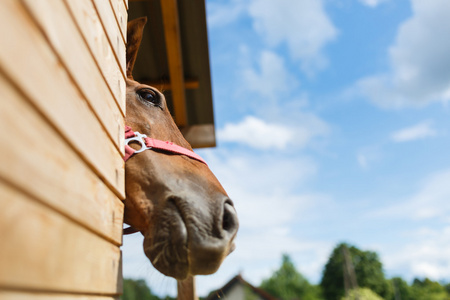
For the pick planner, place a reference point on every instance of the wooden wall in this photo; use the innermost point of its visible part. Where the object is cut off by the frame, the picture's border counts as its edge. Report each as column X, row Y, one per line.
column 62, row 104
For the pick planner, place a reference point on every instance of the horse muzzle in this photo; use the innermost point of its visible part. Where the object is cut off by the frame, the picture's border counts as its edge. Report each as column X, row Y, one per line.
column 191, row 239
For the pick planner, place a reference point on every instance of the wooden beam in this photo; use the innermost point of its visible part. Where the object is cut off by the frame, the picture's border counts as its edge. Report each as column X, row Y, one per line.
column 186, row 289
column 175, row 60
column 200, row 135
column 189, row 84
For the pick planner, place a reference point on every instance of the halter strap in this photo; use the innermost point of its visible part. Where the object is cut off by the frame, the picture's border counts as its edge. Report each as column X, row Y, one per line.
column 150, row 144
column 154, row 144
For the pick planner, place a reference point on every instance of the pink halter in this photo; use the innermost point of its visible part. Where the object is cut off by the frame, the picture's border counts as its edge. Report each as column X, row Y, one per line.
column 149, row 144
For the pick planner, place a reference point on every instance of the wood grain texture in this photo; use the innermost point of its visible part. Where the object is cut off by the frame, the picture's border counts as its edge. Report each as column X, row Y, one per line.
column 87, row 19
column 46, row 251
column 116, row 40
column 28, row 61
column 10, row 295
column 120, row 12
column 38, row 161
column 64, row 37
column 62, row 92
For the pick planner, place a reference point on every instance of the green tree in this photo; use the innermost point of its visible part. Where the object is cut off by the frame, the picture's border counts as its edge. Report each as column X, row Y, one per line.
column 362, row 294
column 137, row 290
column 400, row 290
column 368, row 270
column 447, row 288
column 428, row 290
column 287, row 283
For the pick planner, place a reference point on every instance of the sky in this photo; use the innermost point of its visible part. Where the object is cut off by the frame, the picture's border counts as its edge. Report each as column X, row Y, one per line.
column 332, row 123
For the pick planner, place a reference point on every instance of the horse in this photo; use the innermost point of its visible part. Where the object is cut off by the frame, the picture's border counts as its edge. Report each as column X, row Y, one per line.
column 187, row 219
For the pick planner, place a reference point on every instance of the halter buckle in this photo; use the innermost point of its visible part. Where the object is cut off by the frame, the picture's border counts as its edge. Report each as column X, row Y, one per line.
column 140, row 139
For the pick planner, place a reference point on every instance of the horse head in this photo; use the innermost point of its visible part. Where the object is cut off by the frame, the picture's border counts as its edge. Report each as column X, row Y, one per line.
column 174, row 200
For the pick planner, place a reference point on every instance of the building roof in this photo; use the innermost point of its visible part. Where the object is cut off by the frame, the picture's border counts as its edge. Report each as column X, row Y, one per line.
column 222, row 292
column 174, row 57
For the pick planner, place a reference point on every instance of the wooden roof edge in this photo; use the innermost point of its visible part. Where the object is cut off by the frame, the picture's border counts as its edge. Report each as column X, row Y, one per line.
column 175, row 59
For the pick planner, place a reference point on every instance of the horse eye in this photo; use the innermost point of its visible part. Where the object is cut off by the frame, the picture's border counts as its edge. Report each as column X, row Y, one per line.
column 149, row 95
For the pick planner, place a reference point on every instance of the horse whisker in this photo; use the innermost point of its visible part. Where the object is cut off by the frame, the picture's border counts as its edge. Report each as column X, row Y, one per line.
column 158, row 256
column 156, row 245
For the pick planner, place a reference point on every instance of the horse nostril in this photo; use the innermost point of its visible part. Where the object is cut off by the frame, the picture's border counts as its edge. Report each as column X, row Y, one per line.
column 229, row 218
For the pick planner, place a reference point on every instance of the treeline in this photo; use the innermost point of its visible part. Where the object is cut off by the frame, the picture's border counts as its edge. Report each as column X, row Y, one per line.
column 139, row 290
column 350, row 273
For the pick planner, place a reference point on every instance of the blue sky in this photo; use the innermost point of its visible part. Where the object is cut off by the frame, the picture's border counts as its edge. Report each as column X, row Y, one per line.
column 332, row 123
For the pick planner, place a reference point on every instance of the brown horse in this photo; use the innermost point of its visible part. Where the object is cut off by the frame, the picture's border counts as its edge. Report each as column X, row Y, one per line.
column 174, row 200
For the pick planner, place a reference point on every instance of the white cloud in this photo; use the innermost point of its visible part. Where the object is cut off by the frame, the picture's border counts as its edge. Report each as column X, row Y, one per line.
column 367, row 156
column 372, row 3
column 265, row 188
column 425, row 256
column 242, row 172
column 430, row 202
column 421, row 247
column 256, row 133
column 420, row 64
column 303, row 25
column 263, row 135
column 416, row 132
column 277, row 210
column 270, row 78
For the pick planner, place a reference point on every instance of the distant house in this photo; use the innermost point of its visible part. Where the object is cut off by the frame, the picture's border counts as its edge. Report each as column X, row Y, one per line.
column 239, row 289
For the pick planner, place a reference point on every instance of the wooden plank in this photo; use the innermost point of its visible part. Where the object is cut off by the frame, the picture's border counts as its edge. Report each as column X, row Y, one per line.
column 120, row 12
column 36, row 160
column 175, row 60
column 27, row 59
column 45, row 251
column 186, row 289
column 115, row 38
column 61, row 32
column 11, row 295
column 189, row 84
column 85, row 15
column 200, row 136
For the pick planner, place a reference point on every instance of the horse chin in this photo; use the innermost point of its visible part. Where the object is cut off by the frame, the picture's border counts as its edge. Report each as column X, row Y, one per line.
column 166, row 246
column 171, row 250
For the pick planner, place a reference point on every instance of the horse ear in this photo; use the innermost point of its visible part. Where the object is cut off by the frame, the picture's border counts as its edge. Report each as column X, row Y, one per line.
column 134, row 36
